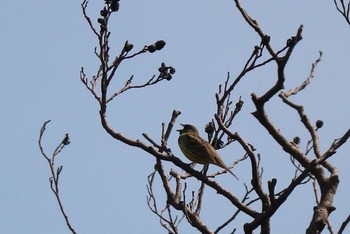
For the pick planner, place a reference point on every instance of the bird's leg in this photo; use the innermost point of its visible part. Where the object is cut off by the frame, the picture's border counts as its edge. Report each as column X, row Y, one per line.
column 205, row 169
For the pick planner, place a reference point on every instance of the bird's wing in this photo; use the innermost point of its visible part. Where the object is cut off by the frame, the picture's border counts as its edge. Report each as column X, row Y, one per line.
column 209, row 152
column 204, row 152
column 201, row 148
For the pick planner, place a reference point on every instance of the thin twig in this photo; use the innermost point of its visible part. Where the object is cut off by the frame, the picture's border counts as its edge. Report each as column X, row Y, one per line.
column 308, row 80
column 344, row 11
column 55, row 173
column 343, row 225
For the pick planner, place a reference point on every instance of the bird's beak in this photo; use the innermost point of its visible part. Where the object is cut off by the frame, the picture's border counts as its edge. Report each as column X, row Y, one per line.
column 179, row 130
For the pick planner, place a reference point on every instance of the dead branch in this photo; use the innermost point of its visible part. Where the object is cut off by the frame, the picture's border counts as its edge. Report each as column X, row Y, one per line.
column 55, row 173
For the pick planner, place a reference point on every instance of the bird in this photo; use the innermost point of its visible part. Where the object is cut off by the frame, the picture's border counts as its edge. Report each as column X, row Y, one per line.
column 197, row 149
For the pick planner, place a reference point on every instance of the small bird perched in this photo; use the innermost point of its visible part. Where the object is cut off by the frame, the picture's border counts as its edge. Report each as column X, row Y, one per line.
column 198, row 150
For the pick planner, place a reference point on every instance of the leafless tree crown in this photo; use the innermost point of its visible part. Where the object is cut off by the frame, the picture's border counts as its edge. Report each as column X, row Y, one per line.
column 182, row 202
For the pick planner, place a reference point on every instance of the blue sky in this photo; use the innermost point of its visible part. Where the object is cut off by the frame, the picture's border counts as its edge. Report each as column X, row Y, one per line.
column 103, row 184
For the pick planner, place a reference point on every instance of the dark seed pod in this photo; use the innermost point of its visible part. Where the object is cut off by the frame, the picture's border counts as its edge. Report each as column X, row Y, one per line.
column 319, row 124
column 209, row 128
column 168, row 76
column 100, row 21
column 151, row 48
column 160, row 44
column 172, row 70
column 128, row 47
column 266, row 40
column 296, row 140
column 115, row 6
column 104, row 12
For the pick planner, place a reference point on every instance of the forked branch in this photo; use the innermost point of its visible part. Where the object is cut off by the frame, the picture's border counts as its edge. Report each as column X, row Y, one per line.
column 55, row 173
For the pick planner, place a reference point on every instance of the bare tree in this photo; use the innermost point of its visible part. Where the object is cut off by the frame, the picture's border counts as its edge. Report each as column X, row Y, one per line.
column 311, row 165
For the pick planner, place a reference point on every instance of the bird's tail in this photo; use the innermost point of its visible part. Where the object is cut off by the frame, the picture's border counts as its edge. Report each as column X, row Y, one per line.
column 229, row 171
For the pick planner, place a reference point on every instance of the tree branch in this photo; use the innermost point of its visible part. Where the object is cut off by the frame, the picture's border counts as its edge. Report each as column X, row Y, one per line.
column 54, row 179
